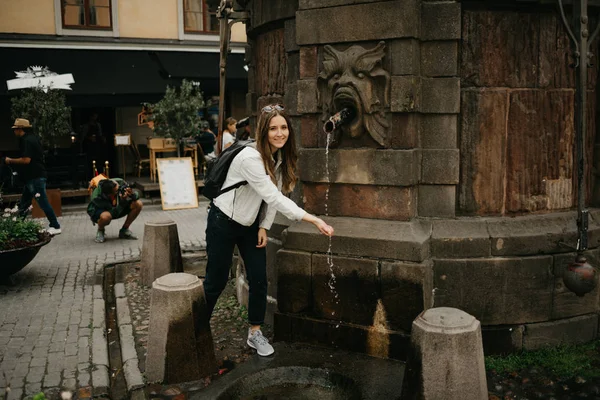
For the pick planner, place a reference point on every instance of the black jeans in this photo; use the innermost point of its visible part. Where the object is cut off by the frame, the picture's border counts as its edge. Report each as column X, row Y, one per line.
column 36, row 188
column 222, row 234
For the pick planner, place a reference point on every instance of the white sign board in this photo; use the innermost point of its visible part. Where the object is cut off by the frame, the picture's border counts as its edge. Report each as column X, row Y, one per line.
column 122, row 139
column 177, row 184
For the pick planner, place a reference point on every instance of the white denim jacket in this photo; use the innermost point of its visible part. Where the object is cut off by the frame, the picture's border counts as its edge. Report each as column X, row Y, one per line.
column 243, row 204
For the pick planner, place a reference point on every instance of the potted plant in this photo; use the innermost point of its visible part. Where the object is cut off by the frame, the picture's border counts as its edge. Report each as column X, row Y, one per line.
column 176, row 114
column 20, row 240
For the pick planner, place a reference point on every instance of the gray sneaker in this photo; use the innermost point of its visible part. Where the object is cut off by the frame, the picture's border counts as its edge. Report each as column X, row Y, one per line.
column 257, row 341
column 100, row 236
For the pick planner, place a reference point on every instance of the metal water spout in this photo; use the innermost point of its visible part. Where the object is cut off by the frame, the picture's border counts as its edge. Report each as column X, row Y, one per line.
column 580, row 276
column 338, row 119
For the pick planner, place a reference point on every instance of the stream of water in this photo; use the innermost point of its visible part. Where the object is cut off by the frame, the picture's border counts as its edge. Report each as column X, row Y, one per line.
column 332, row 279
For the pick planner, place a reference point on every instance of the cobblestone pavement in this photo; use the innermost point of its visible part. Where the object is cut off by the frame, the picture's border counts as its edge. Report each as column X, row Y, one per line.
column 47, row 315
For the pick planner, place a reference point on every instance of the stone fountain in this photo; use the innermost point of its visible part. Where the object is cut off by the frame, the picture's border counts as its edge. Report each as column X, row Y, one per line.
column 452, row 185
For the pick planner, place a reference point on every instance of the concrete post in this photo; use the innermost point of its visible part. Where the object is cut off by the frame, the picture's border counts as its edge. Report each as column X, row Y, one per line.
column 180, row 345
column 161, row 254
column 446, row 357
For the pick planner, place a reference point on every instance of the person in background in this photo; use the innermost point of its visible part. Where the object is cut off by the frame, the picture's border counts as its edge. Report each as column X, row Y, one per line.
column 32, row 171
column 206, row 139
column 244, row 131
column 229, row 132
column 93, row 142
column 108, row 203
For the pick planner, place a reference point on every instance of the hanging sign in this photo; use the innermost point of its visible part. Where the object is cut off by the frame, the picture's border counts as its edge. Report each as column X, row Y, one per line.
column 122, row 139
column 42, row 77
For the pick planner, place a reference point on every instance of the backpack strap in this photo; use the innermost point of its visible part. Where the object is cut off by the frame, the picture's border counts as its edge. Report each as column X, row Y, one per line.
column 229, row 188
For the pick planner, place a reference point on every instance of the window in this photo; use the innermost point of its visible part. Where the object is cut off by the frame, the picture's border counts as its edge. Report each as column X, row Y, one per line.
column 198, row 18
column 86, row 14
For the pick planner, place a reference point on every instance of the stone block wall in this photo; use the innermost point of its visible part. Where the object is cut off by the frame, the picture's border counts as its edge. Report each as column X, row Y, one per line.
column 417, row 164
column 517, row 113
column 464, row 138
column 419, row 156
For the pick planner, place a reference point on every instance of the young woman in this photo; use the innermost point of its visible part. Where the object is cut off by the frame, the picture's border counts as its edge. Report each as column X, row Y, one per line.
column 229, row 132
column 234, row 218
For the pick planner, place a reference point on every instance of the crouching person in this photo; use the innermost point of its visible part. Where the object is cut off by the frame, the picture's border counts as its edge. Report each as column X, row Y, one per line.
column 114, row 199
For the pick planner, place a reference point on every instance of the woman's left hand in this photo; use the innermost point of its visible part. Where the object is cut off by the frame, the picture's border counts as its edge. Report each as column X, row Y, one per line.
column 262, row 238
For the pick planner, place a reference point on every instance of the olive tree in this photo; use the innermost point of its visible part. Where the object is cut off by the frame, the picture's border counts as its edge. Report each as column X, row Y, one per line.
column 176, row 114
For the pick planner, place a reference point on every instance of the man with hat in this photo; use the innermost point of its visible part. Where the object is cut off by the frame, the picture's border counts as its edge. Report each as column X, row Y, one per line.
column 32, row 172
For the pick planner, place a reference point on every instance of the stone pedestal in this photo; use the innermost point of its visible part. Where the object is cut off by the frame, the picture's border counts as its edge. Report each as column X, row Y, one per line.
column 446, row 357
column 161, row 254
column 180, row 346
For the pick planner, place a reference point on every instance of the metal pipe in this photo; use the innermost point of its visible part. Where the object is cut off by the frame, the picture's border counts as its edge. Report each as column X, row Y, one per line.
column 579, row 276
column 338, row 119
column 581, row 20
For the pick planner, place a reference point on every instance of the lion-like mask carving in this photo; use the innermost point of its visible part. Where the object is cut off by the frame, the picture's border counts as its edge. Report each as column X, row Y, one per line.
column 355, row 79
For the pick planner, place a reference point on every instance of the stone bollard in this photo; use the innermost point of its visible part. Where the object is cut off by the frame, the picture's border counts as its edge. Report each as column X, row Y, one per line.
column 180, row 345
column 446, row 357
column 161, row 254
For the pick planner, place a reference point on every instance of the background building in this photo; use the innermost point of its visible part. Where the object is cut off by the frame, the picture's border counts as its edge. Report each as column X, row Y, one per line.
column 121, row 53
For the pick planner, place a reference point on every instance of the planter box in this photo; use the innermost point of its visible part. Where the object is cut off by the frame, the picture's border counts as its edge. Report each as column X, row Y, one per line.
column 55, row 201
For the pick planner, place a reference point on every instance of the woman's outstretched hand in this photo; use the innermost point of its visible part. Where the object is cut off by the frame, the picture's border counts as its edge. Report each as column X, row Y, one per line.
column 321, row 225
column 262, row 238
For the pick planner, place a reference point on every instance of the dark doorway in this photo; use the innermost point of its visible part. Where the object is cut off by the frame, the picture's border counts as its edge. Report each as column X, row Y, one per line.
column 95, row 128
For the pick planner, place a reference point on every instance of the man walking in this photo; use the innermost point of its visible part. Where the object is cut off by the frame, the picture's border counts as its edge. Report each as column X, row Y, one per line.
column 32, row 172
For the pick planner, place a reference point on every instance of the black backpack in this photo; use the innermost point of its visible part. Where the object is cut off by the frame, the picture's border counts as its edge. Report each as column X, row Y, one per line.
column 216, row 170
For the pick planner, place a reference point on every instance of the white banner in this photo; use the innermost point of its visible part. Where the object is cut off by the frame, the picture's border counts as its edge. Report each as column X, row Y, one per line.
column 42, row 77
column 45, row 82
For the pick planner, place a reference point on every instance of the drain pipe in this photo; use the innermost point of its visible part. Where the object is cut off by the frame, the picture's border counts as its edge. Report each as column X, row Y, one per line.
column 580, row 276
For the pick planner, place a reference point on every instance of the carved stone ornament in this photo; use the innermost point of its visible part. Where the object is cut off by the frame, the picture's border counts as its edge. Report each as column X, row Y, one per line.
column 355, row 79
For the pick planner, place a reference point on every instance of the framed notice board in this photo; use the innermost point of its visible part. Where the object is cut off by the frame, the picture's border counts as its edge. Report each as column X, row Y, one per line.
column 177, row 184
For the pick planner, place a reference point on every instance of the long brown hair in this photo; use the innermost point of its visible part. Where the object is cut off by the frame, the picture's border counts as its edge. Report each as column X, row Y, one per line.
column 288, row 152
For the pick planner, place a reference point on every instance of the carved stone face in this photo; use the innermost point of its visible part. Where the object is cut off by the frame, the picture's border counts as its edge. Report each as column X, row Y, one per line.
column 355, row 79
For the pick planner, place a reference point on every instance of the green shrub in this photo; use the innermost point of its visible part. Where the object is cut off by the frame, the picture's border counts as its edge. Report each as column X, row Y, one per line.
column 46, row 111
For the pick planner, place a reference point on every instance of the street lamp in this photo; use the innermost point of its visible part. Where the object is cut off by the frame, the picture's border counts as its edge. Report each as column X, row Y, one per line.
column 580, row 276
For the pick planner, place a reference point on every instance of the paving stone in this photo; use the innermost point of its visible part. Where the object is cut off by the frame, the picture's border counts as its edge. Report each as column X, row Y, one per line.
column 33, row 388
column 99, row 348
column 38, row 362
column 69, row 374
column 133, row 376
column 83, row 378
column 69, row 384
column 71, row 349
column 100, row 377
column 51, row 380
column 35, row 374
column 15, row 394
column 54, row 307
column 60, row 346
column 84, row 354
